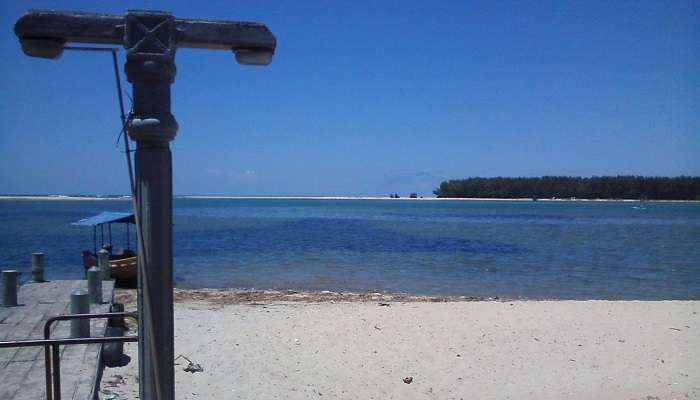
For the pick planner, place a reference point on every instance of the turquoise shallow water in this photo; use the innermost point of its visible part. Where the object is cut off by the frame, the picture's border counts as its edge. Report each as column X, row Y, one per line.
column 562, row 250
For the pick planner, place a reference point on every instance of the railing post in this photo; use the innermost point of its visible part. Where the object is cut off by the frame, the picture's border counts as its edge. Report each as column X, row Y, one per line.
column 9, row 288
column 56, row 361
column 47, row 367
column 37, row 267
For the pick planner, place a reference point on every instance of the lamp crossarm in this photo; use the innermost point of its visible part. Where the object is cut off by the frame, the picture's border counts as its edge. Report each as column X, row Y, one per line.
column 80, row 27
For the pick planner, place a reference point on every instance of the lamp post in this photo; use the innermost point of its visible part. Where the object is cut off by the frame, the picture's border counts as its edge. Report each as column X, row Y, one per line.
column 151, row 39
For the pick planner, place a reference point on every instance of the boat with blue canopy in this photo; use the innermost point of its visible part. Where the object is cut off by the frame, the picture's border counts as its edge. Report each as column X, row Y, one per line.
column 123, row 262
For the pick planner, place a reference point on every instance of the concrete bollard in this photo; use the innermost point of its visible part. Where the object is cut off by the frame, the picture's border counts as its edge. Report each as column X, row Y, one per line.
column 9, row 288
column 37, row 267
column 103, row 263
column 94, row 281
column 79, row 304
column 113, row 353
column 117, row 322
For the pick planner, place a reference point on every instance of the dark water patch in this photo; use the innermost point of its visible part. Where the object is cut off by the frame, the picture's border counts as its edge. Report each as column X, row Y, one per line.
column 314, row 234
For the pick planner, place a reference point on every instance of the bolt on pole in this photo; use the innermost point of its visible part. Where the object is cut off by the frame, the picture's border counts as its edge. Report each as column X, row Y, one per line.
column 151, row 39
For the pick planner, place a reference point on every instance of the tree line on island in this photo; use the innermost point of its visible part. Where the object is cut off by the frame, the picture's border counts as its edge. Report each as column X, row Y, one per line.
column 596, row 187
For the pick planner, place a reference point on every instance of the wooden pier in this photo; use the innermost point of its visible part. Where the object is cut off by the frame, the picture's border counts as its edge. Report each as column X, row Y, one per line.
column 22, row 373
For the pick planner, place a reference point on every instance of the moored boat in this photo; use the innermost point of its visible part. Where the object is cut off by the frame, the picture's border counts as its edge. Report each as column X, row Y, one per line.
column 122, row 263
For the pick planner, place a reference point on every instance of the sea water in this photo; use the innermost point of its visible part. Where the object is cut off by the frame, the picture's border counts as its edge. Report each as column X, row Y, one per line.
column 509, row 249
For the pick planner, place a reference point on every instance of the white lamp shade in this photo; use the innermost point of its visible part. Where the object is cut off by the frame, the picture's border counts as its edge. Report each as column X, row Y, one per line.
column 253, row 56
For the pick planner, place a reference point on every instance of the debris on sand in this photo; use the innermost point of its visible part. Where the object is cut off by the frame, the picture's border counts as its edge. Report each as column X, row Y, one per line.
column 191, row 367
column 116, row 380
column 243, row 296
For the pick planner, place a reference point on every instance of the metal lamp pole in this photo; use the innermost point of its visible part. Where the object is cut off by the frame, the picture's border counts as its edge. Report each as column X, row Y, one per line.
column 150, row 39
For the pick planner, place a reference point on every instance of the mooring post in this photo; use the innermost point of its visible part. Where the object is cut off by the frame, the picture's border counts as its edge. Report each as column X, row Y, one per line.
column 103, row 263
column 79, row 304
column 9, row 287
column 116, row 321
column 94, row 283
column 37, row 267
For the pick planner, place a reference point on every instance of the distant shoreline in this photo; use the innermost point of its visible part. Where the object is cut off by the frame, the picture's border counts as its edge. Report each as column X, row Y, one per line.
column 53, row 197
column 426, row 199
column 204, row 197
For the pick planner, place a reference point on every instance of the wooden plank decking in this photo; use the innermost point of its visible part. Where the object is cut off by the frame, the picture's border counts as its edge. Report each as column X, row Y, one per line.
column 22, row 375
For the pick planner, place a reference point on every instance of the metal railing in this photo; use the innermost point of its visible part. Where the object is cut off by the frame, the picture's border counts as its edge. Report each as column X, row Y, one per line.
column 52, row 360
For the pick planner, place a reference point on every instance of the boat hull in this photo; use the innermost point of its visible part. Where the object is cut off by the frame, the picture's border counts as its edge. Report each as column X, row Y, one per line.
column 123, row 269
column 120, row 269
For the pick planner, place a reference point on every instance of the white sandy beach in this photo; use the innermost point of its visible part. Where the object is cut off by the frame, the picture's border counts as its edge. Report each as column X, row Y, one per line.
column 452, row 350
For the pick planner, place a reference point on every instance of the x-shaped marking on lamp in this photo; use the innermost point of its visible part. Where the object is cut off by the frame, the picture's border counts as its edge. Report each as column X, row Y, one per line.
column 150, row 35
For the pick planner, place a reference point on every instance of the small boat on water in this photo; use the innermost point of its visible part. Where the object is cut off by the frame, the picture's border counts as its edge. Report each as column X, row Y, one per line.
column 641, row 206
column 122, row 263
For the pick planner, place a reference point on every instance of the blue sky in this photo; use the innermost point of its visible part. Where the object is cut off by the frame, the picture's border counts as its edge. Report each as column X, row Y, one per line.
column 371, row 98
